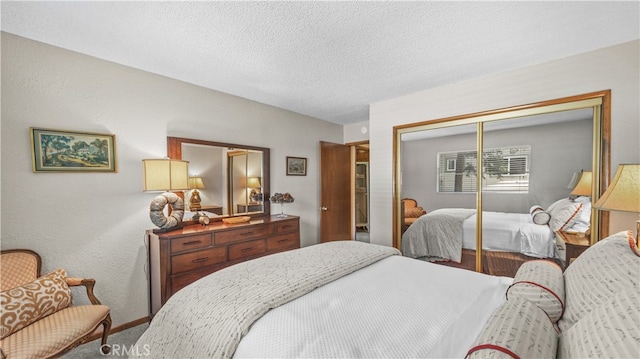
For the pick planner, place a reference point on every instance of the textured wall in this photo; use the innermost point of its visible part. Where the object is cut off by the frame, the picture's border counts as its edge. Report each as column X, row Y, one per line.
column 93, row 224
column 616, row 68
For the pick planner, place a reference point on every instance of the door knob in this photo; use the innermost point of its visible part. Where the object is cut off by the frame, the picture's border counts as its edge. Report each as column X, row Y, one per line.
column 323, row 208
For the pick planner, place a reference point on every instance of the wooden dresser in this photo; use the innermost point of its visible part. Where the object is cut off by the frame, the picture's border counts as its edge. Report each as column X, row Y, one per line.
column 181, row 257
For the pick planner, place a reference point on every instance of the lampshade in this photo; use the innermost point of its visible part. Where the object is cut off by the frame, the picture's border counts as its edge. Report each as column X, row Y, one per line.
column 253, row 182
column 624, row 192
column 165, row 175
column 583, row 188
column 574, row 180
column 196, row 183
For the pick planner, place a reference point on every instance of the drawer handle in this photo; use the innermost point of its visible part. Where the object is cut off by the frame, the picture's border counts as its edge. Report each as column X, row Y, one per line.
column 287, row 226
column 283, row 240
column 200, row 260
column 191, row 243
column 246, row 249
column 246, row 233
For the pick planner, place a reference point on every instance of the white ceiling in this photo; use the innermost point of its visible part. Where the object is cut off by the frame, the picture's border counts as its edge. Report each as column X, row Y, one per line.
column 329, row 60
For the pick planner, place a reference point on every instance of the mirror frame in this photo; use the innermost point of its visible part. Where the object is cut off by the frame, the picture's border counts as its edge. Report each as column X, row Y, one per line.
column 601, row 146
column 174, row 151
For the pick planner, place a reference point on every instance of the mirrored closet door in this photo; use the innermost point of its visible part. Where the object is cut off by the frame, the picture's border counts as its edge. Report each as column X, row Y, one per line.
column 529, row 155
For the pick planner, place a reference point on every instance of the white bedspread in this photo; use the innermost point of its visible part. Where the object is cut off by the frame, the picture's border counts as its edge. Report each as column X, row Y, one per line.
column 510, row 232
column 208, row 318
column 395, row 308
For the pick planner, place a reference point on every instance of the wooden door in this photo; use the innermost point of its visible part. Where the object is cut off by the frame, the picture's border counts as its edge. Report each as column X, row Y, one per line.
column 336, row 191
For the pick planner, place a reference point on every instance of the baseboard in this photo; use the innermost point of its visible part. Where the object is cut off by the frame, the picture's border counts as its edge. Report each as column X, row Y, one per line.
column 98, row 333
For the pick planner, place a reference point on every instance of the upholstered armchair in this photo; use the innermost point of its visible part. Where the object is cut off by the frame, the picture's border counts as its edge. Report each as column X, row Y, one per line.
column 410, row 212
column 38, row 319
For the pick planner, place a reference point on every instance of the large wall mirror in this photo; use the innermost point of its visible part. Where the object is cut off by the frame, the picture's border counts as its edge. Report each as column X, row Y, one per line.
column 230, row 179
column 530, row 154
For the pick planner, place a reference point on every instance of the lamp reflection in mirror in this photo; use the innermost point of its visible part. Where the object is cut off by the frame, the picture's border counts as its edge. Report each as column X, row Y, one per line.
column 195, row 183
column 254, row 184
column 165, row 175
column 583, row 187
column 624, row 192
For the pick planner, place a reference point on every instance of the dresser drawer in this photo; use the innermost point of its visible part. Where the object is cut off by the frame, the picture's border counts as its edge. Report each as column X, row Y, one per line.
column 184, row 279
column 190, row 261
column 190, row 242
column 288, row 226
column 247, row 249
column 290, row 240
column 242, row 234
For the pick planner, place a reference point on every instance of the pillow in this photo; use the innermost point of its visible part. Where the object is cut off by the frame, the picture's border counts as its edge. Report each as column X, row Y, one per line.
column 518, row 329
column 557, row 203
column 610, row 330
column 563, row 214
column 540, row 282
column 583, row 219
column 414, row 212
column 599, row 273
column 28, row 303
column 538, row 215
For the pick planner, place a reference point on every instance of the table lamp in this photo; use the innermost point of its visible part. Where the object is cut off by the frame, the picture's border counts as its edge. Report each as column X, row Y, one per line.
column 583, row 187
column 166, row 175
column 624, row 192
column 195, row 183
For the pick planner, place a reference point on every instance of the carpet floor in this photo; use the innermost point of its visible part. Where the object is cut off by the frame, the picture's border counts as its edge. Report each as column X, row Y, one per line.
column 122, row 345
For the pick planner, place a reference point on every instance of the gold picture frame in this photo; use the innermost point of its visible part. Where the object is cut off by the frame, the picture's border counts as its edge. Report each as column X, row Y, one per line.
column 71, row 151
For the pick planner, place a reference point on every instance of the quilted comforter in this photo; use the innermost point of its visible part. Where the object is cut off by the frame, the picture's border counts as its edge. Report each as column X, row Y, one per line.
column 221, row 307
column 437, row 235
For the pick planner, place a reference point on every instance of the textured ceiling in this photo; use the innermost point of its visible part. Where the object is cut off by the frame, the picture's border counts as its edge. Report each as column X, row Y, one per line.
column 329, row 60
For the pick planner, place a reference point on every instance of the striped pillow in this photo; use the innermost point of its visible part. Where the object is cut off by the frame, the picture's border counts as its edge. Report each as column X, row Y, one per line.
column 541, row 282
column 601, row 272
column 563, row 214
column 28, row 303
column 608, row 331
column 518, row 329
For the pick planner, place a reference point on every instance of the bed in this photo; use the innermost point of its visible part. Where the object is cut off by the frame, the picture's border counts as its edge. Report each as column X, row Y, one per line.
column 325, row 284
column 443, row 233
column 359, row 300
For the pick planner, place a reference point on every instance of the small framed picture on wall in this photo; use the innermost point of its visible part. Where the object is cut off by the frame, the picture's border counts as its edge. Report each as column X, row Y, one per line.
column 296, row 166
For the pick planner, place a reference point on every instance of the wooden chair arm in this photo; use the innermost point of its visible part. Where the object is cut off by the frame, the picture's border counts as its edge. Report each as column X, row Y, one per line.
column 88, row 283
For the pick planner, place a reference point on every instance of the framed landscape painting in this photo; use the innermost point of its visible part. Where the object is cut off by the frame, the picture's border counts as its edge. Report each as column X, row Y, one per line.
column 296, row 166
column 68, row 151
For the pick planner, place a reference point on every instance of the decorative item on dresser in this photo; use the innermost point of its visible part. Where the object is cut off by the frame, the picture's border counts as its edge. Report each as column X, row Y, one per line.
column 282, row 199
column 178, row 258
column 166, row 175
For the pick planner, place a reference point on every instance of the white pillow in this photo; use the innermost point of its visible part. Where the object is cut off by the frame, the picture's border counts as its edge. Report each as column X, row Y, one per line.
column 609, row 330
column 518, row 329
column 557, row 203
column 540, row 282
column 583, row 219
column 538, row 215
column 563, row 214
